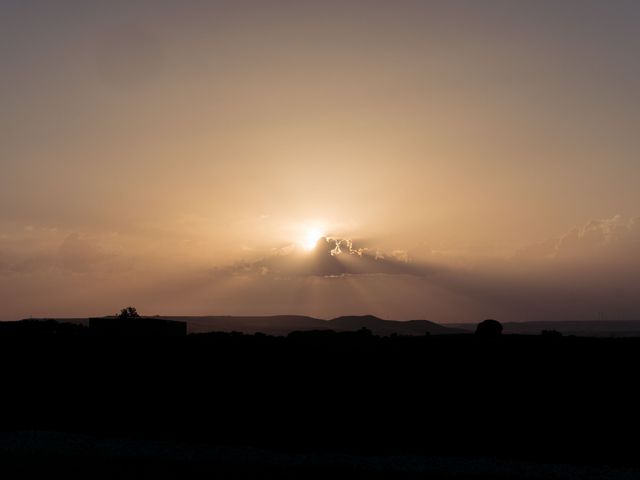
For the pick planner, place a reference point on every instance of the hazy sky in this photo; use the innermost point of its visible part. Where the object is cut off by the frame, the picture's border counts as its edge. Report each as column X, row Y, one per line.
column 472, row 158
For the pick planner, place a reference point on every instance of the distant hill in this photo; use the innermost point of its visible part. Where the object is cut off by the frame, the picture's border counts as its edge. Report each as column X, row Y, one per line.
column 285, row 324
column 271, row 325
column 387, row 327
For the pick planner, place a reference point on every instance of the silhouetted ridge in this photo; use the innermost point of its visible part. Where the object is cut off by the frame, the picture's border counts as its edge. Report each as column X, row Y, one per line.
column 388, row 327
column 357, row 318
column 285, row 324
column 282, row 325
column 271, row 325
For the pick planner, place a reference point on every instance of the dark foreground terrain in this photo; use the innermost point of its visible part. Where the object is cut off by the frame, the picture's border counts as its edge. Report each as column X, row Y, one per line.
column 279, row 325
column 319, row 404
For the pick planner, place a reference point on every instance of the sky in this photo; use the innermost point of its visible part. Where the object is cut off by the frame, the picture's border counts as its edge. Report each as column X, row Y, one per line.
column 454, row 160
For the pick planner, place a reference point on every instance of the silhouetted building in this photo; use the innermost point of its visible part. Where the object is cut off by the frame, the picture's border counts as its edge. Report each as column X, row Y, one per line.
column 137, row 327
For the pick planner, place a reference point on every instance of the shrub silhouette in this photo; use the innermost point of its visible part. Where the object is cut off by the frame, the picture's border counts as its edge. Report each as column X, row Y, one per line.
column 129, row 312
column 489, row 328
column 550, row 333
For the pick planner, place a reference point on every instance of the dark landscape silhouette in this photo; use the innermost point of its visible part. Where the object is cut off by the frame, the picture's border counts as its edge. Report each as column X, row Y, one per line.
column 353, row 400
column 284, row 324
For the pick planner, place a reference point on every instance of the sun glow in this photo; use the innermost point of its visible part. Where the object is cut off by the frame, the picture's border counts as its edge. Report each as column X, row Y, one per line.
column 310, row 238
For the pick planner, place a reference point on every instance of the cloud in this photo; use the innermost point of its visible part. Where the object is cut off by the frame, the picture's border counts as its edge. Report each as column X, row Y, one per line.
column 333, row 257
column 81, row 255
column 32, row 251
column 592, row 268
column 612, row 239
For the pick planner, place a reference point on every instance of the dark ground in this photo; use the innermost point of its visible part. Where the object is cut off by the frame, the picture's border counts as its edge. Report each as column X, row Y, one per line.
column 318, row 403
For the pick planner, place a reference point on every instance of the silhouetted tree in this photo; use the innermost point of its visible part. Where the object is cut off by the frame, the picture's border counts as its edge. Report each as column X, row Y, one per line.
column 489, row 328
column 129, row 312
column 550, row 333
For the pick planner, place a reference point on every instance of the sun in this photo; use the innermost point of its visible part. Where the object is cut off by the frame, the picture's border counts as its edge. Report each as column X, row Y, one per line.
column 310, row 238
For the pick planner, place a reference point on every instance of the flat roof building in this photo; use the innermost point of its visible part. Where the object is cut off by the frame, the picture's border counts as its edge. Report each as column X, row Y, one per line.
column 137, row 327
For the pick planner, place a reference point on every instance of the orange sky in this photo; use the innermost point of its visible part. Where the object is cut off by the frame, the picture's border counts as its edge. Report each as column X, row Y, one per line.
column 162, row 153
